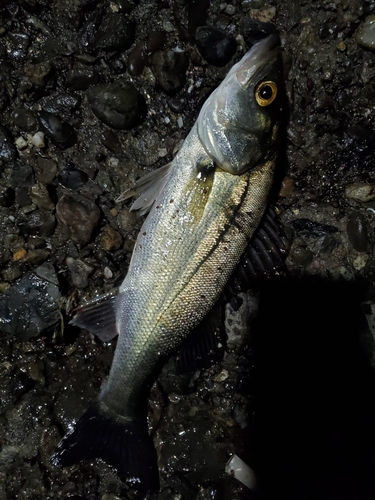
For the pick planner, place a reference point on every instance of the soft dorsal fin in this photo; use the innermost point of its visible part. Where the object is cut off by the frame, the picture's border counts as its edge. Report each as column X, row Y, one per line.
column 147, row 188
column 98, row 316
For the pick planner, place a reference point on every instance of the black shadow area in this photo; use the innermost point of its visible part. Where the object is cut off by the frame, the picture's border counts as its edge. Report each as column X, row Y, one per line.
column 315, row 393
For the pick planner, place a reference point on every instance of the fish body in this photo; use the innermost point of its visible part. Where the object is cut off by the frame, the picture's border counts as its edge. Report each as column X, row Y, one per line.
column 212, row 199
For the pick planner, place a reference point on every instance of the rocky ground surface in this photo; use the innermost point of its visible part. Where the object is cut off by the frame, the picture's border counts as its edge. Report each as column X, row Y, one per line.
column 96, row 93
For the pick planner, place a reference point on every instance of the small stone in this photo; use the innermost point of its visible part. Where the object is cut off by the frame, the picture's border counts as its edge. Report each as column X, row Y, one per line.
column 82, row 77
column 49, row 439
column 220, row 377
column 38, row 222
column 25, row 119
column 37, row 256
column 111, row 141
column 253, row 30
column 40, row 197
column 128, row 221
column 39, row 73
column 216, row 46
column 78, row 217
column 341, row 46
column 365, row 36
column 46, row 169
column 360, row 261
column 119, row 106
column 357, row 231
column 79, row 272
column 116, row 32
column 110, row 239
column 265, row 15
column 72, row 178
column 145, row 148
column 287, row 187
column 360, row 192
column 21, row 143
column 61, row 133
column 108, row 274
column 170, row 69
column 37, row 140
column 19, row 254
column 301, row 256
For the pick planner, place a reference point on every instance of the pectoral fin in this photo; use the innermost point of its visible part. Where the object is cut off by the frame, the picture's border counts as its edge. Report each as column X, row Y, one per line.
column 147, row 188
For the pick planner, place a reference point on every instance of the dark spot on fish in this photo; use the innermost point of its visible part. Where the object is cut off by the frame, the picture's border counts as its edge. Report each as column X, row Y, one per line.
column 144, row 234
column 140, row 246
column 205, row 191
column 157, row 206
column 203, row 296
column 171, row 201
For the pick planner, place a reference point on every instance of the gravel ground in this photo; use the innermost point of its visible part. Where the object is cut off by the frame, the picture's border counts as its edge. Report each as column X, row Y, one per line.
column 92, row 96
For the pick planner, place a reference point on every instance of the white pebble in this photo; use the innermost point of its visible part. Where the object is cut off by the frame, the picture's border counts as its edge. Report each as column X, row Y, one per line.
column 21, row 143
column 237, row 468
column 180, row 122
column 37, row 140
column 108, row 274
column 113, row 162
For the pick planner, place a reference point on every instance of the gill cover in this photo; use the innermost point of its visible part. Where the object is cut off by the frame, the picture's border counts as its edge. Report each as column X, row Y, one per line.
column 238, row 123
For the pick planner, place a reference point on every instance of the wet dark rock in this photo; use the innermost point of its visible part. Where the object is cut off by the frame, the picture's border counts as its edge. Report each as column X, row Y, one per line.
column 170, row 69
column 81, row 78
column 119, row 106
column 31, row 306
column 21, row 384
column 61, row 133
column 22, row 175
column 40, row 197
column 39, row 73
column 324, row 246
column 313, row 229
column 79, row 272
column 111, row 141
column 19, row 43
column 253, row 30
column 36, row 256
column 78, row 218
column 137, row 59
column 176, row 104
column 146, row 148
column 116, row 32
column 365, row 36
column 25, row 119
column 7, row 196
column 110, row 239
column 23, row 198
column 72, row 178
column 39, row 222
column 46, row 170
column 357, row 231
column 216, row 46
column 301, row 256
column 8, row 152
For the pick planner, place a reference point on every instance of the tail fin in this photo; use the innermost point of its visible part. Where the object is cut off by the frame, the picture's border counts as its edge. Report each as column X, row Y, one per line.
column 125, row 445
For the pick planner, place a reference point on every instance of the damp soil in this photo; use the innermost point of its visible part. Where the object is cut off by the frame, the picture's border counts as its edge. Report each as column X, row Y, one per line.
column 93, row 95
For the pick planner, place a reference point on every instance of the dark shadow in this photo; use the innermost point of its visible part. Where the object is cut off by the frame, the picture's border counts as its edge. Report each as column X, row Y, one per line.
column 314, row 392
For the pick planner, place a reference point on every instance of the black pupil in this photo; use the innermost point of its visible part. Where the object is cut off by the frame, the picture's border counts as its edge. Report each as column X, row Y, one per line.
column 266, row 92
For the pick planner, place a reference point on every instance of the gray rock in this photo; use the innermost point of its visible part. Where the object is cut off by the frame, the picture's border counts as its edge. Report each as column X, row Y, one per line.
column 365, row 36
column 46, row 169
column 61, row 133
column 116, row 32
column 170, row 69
column 357, row 231
column 8, row 152
column 31, row 306
column 79, row 272
column 119, row 106
column 78, row 218
column 25, row 119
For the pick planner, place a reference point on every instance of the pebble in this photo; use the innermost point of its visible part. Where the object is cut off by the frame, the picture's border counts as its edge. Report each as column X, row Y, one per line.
column 21, row 384
column 21, row 143
column 37, row 140
column 110, row 239
column 61, row 133
column 357, row 231
column 365, row 36
column 216, row 46
column 40, row 197
column 119, row 106
column 116, row 32
column 39, row 73
column 78, row 217
column 46, row 169
column 19, row 43
column 22, row 175
column 38, row 222
column 72, row 178
column 145, row 148
column 111, row 141
column 37, row 256
column 301, row 256
column 25, row 119
column 8, row 152
column 360, row 192
column 287, row 187
column 170, row 69
column 79, row 272
column 253, row 30
column 37, row 296
column 128, row 221
column 48, row 441
column 82, row 77
column 64, row 103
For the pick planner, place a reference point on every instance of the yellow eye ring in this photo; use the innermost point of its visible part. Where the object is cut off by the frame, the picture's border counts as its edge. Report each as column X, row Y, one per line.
column 265, row 93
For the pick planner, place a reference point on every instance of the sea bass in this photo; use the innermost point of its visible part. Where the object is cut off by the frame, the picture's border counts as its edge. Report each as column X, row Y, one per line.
column 205, row 207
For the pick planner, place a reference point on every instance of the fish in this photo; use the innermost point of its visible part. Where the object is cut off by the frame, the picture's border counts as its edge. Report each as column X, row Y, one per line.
column 203, row 210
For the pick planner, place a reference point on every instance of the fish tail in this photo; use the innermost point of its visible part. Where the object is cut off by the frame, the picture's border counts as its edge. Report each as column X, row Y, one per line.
column 126, row 445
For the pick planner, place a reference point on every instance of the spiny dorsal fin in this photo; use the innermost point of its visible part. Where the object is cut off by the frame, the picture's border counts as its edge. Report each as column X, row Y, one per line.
column 98, row 316
column 147, row 188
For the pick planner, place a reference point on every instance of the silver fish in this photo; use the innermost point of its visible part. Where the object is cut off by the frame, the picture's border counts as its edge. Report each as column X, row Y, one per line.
column 205, row 207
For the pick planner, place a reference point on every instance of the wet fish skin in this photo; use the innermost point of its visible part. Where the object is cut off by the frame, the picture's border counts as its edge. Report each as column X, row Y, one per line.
column 214, row 196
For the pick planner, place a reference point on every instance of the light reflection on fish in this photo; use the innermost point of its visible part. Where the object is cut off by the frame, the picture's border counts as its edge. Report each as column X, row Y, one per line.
column 205, row 207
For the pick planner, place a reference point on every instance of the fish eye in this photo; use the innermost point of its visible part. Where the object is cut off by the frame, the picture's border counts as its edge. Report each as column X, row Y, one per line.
column 265, row 93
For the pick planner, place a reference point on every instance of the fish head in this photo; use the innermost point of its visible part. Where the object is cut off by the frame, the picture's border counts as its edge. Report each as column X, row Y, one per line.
column 238, row 124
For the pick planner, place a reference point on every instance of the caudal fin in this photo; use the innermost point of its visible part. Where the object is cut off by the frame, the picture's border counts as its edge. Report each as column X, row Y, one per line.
column 124, row 445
